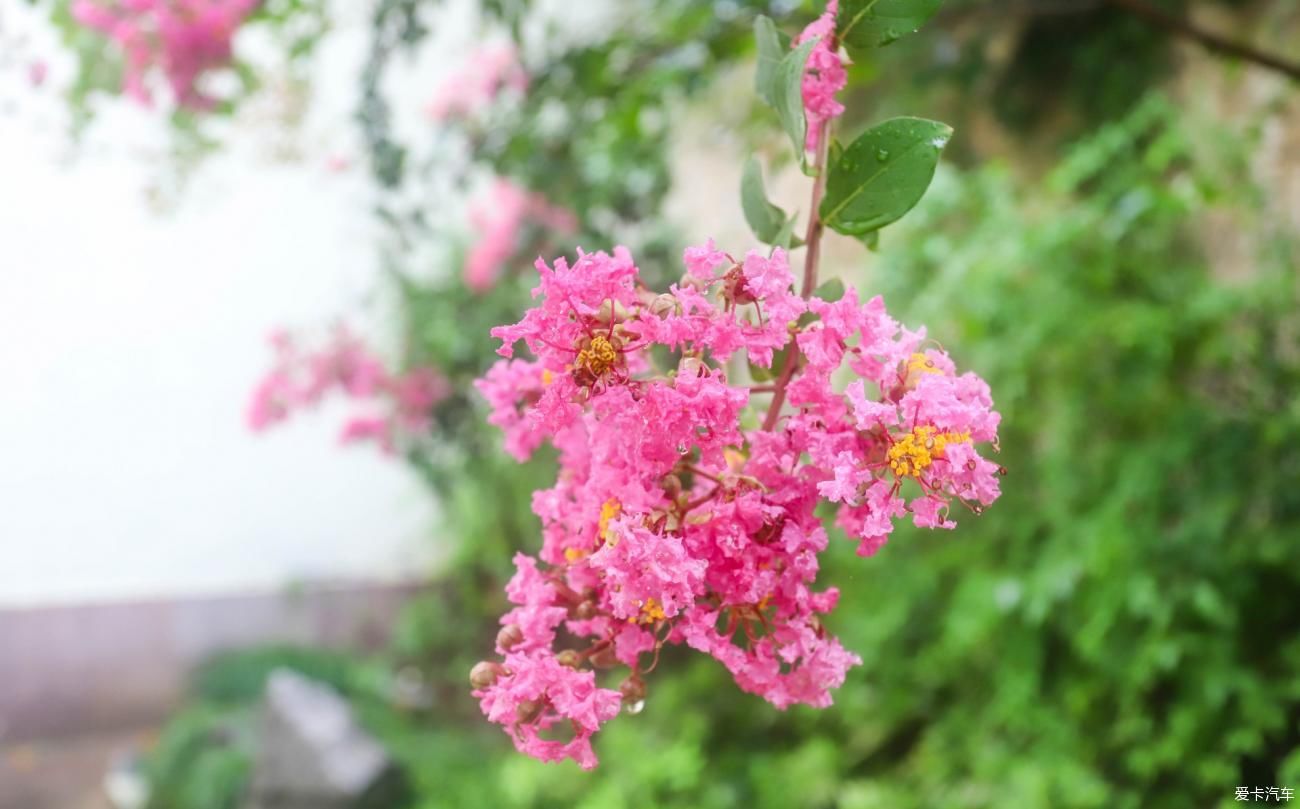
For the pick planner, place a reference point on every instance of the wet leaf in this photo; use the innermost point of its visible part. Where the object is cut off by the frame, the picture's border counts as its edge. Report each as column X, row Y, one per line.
column 882, row 174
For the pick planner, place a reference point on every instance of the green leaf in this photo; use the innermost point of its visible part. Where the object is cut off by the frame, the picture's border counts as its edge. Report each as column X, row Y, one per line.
column 780, row 80
column 863, row 24
column 882, row 174
column 788, row 95
column 831, row 290
column 764, row 218
column 786, row 238
column 871, row 240
column 772, row 48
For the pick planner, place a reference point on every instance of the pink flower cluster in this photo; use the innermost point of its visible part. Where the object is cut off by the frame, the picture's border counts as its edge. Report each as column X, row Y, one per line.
column 183, row 38
column 824, row 76
column 474, row 87
column 37, row 71
column 685, row 511
column 499, row 218
column 397, row 404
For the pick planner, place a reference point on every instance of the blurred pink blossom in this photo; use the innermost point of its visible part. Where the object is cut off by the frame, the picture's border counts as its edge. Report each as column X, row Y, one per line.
column 499, row 218
column 182, row 38
column 338, row 163
column 37, row 72
column 476, row 85
column 395, row 404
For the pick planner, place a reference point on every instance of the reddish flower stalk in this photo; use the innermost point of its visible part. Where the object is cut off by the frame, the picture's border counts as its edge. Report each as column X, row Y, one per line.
column 812, row 255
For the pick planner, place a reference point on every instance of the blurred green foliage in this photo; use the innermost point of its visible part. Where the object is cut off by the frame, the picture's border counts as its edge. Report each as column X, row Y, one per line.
column 1117, row 632
column 205, row 755
column 203, row 759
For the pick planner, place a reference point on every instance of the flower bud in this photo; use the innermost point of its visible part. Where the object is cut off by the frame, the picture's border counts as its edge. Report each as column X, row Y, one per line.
column 570, row 658
column 672, row 485
column 585, row 611
column 528, row 710
column 605, row 312
column 485, row 674
column 509, row 636
column 632, row 689
column 664, row 305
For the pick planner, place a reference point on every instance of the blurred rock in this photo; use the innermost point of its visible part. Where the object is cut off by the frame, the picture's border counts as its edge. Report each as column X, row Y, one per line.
column 312, row 754
column 125, row 784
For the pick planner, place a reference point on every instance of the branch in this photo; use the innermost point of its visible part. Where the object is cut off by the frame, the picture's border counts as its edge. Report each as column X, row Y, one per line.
column 1181, row 27
column 813, row 236
column 813, row 242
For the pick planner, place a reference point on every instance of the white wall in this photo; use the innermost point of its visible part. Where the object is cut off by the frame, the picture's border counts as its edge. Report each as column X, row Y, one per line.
column 130, row 338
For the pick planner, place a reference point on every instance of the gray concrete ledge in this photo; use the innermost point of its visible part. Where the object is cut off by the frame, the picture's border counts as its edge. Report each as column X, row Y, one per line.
column 98, row 667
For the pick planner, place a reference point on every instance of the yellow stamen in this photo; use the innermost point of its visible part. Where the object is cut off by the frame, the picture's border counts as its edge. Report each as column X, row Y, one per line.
column 608, row 511
column 574, row 554
column 597, row 358
column 914, row 452
column 547, row 377
column 650, row 613
column 918, row 365
column 922, row 364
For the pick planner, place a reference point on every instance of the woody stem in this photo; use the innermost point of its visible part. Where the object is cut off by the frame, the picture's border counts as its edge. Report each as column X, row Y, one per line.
column 812, row 255
column 813, row 236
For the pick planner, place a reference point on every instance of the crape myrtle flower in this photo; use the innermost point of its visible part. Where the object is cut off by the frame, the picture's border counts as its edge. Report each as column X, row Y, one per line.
column 674, row 519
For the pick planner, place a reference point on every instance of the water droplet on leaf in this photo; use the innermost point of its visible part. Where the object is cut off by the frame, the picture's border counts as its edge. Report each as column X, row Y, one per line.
column 882, row 155
column 635, row 708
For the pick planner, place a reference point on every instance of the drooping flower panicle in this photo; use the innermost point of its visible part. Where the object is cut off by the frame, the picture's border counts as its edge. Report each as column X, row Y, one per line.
column 685, row 509
column 671, row 521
